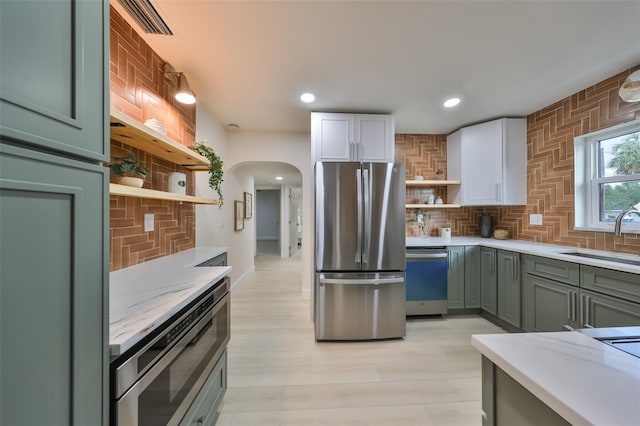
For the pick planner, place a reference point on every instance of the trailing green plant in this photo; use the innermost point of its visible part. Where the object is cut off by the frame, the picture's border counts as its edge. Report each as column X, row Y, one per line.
column 215, row 171
column 129, row 166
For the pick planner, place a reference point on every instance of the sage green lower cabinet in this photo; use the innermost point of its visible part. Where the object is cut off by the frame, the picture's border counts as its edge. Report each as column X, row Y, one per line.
column 509, row 287
column 548, row 305
column 203, row 410
column 53, row 290
column 472, row 277
column 455, row 278
column 488, row 280
column 507, row 402
column 599, row 310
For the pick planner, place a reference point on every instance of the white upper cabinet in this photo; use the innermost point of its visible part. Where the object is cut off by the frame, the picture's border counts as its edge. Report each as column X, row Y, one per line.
column 352, row 137
column 490, row 160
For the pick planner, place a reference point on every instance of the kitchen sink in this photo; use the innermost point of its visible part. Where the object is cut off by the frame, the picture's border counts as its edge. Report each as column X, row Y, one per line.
column 630, row 345
column 603, row 257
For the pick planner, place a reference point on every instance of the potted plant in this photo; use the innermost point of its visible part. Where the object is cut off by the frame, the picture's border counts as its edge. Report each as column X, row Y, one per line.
column 129, row 170
column 215, row 170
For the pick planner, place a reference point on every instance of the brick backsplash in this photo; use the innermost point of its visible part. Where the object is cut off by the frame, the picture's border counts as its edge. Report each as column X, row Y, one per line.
column 550, row 184
column 140, row 90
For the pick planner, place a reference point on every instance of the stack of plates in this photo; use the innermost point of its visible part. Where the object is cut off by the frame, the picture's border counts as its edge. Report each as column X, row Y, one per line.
column 156, row 125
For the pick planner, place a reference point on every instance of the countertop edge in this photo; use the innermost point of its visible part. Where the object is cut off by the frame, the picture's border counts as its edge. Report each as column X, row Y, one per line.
column 550, row 251
column 532, row 386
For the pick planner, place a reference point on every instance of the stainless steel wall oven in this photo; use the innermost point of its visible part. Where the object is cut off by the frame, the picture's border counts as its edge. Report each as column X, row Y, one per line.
column 155, row 382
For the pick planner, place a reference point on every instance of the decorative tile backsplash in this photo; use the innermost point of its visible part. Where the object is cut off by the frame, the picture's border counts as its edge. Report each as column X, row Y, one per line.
column 141, row 91
column 550, row 184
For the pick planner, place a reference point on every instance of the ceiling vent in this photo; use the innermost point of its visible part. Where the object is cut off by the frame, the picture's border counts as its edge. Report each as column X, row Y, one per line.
column 143, row 12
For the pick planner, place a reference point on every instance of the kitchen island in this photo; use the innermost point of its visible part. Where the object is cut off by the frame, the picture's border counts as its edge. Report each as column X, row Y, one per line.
column 580, row 380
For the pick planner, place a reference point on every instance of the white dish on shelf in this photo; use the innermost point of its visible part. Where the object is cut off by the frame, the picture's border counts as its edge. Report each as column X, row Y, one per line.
column 418, row 178
column 156, row 125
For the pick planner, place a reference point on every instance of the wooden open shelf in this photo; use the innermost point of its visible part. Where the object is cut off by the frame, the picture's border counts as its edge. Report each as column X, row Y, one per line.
column 130, row 191
column 432, row 182
column 131, row 132
column 433, row 206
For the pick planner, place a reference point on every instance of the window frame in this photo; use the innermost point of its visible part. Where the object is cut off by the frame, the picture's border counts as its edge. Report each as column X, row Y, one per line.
column 587, row 182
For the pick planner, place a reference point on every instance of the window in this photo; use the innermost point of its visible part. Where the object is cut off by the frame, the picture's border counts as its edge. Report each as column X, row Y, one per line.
column 607, row 177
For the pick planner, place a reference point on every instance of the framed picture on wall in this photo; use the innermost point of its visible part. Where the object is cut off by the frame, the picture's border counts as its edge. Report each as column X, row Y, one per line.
column 248, row 205
column 238, row 217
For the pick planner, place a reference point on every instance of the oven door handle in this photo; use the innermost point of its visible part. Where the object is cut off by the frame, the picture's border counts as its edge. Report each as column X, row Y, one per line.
column 172, row 354
column 427, row 256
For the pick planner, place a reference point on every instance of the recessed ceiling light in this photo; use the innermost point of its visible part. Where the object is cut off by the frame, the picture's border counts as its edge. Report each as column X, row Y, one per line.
column 233, row 126
column 307, row 97
column 279, row 178
column 450, row 103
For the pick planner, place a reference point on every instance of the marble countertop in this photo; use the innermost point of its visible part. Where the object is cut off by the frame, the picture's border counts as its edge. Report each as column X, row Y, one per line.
column 539, row 249
column 143, row 296
column 583, row 380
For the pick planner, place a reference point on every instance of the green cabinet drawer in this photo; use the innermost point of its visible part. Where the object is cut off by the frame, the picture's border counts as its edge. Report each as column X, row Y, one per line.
column 614, row 283
column 557, row 270
column 204, row 408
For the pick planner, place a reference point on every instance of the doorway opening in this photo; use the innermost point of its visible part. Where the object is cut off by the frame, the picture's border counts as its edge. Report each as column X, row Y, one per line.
column 268, row 222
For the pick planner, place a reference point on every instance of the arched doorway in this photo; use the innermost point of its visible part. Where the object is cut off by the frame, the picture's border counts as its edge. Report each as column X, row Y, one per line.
column 278, row 207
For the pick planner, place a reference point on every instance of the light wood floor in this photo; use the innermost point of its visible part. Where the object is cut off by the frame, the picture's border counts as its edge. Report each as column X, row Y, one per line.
column 279, row 375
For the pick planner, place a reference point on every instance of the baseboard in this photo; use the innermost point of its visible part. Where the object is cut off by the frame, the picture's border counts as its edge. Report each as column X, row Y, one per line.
column 240, row 279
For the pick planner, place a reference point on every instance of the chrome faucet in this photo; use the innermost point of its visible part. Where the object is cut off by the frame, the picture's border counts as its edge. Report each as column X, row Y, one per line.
column 620, row 217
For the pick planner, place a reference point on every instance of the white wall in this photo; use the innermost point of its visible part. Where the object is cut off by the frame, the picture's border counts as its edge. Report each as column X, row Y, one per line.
column 291, row 148
column 214, row 226
column 267, row 203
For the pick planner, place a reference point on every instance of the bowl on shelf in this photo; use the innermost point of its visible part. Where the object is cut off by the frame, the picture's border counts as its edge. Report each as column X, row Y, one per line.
column 418, row 178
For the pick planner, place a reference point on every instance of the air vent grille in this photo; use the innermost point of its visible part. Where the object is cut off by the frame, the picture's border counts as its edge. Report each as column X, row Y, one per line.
column 146, row 16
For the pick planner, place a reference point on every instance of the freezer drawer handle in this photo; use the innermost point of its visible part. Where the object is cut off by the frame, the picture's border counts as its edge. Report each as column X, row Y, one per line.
column 374, row 281
column 427, row 256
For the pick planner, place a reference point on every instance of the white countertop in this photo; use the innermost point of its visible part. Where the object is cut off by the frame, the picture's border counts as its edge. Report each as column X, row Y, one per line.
column 143, row 296
column 583, row 380
column 539, row 249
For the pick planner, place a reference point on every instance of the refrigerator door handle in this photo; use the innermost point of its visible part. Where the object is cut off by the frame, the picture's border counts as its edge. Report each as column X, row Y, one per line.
column 358, row 258
column 371, row 281
column 367, row 216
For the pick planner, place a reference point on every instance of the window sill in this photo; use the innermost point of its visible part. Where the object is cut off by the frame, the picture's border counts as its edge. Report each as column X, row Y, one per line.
column 625, row 229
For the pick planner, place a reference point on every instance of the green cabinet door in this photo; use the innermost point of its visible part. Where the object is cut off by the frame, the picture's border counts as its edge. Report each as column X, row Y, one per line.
column 472, row 276
column 488, row 280
column 54, row 68
column 599, row 310
column 509, row 287
column 548, row 305
column 455, row 277
column 53, row 290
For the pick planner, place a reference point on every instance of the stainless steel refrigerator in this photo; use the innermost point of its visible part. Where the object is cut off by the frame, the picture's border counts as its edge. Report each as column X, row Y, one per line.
column 360, row 251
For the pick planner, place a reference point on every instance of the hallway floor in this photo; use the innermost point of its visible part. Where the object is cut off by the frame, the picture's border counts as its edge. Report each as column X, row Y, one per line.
column 279, row 375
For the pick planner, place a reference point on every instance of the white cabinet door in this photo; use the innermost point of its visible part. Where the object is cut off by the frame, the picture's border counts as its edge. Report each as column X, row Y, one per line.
column 490, row 160
column 332, row 136
column 374, row 138
column 482, row 163
column 352, row 137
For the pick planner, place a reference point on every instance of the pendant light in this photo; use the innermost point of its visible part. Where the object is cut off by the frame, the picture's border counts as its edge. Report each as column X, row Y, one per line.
column 630, row 89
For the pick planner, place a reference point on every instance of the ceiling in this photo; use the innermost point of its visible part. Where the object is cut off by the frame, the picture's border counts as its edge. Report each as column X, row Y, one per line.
column 249, row 61
column 265, row 173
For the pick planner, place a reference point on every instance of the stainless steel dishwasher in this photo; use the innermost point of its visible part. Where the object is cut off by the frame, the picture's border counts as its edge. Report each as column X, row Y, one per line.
column 426, row 276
